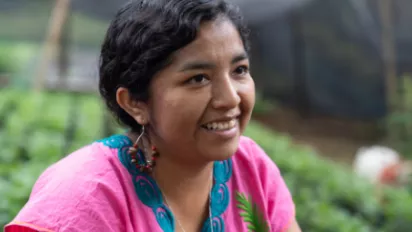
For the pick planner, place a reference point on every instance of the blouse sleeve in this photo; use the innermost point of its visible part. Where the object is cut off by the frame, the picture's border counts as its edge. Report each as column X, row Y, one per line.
column 279, row 203
column 70, row 199
column 59, row 207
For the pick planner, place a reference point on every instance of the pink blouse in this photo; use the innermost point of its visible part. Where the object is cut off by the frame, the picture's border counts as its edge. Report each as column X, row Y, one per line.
column 97, row 189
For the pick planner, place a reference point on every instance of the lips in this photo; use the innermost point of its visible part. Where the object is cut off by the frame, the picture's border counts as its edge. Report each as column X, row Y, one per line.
column 221, row 125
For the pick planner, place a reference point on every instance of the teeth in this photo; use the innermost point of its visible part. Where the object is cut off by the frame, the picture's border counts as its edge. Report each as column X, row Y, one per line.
column 221, row 125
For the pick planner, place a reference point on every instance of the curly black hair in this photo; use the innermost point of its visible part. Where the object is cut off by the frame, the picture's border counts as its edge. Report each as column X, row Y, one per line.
column 143, row 36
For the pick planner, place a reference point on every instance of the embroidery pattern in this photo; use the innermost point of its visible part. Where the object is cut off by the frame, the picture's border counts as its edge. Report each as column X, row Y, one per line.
column 149, row 193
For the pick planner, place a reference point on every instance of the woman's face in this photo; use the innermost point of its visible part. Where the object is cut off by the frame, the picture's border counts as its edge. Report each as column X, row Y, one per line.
column 201, row 103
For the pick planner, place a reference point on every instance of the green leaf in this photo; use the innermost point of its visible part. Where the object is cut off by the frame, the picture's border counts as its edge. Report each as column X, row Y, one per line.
column 251, row 214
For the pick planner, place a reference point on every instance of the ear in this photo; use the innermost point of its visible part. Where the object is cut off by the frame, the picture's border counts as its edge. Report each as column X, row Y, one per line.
column 137, row 109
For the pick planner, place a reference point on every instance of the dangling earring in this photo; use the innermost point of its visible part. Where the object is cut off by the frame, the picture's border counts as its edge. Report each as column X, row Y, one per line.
column 151, row 160
column 149, row 163
column 134, row 150
column 155, row 154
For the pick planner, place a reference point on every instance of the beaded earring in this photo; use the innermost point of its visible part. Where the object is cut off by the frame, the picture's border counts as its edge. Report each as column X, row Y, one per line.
column 149, row 162
column 152, row 161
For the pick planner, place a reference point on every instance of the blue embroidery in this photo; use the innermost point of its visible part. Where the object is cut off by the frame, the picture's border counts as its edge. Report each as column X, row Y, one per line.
column 147, row 191
column 220, row 199
column 150, row 195
column 165, row 218
column 217, row 222
column 222, row 171
column 116, row 141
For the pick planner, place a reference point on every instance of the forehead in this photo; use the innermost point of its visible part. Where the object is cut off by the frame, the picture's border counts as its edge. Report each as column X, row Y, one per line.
column 218, row 39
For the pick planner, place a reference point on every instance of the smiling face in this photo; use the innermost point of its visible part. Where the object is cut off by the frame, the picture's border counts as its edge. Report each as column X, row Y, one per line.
column 201, row 102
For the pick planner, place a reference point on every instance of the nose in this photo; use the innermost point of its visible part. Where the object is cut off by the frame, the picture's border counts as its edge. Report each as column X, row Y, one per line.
column 225, row 94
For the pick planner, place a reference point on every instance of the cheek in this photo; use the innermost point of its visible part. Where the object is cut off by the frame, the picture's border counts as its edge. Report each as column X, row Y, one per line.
column 176, row 111
column 247, row 94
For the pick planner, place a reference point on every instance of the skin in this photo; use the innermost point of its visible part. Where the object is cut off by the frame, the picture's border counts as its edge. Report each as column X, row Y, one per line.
column 206, row 80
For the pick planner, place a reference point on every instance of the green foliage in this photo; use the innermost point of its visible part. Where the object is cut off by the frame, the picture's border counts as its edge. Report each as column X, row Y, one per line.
column 399, row 121
column 7, row 63
column 14, row 55
column 328, row 196
column 14, row 59
column 251, row 214
column 262, row 105
column 37, row 129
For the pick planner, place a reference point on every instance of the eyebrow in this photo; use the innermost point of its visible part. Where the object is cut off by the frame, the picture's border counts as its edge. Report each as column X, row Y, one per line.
column 196, row 65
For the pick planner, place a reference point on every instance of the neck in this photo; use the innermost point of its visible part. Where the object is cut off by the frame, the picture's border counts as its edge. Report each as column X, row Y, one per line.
column 180, row 181
column 186, row 190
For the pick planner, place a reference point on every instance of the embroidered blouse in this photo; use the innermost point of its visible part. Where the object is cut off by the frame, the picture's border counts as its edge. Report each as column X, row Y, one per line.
column 98, row 189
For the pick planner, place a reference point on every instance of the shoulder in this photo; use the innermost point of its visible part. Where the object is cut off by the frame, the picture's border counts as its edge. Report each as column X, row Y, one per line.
column 72, row 194
column 253, row 162
column 82, row 167
column 90, row 165
column 252, row 157
column 256, row 174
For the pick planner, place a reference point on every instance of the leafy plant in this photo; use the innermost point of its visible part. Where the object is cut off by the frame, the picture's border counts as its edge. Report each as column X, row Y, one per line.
column 7, row 64
column 251, row 214
column 262, row 105
column 328, row 196
column 398, row 121
column 14, row 55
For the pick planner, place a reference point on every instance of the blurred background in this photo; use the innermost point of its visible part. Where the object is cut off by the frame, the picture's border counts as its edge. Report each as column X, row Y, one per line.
column 332, row 76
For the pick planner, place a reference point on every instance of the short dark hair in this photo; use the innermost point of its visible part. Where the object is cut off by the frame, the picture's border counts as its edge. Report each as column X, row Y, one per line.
column 141, row 39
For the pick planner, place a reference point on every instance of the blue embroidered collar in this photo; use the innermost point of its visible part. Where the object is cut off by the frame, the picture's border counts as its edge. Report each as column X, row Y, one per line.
column 149, row 193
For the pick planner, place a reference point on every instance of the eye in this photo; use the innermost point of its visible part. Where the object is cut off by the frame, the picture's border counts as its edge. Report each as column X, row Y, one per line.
column 241, row 70
column 198, row 79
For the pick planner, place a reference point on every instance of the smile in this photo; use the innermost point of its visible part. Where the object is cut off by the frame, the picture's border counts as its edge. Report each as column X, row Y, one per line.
column 221, row 126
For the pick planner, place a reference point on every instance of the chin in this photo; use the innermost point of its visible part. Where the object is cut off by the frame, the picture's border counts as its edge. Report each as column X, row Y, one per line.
column 222, row 152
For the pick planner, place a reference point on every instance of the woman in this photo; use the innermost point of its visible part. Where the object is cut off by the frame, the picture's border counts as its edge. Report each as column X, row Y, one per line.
column 176, row 73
